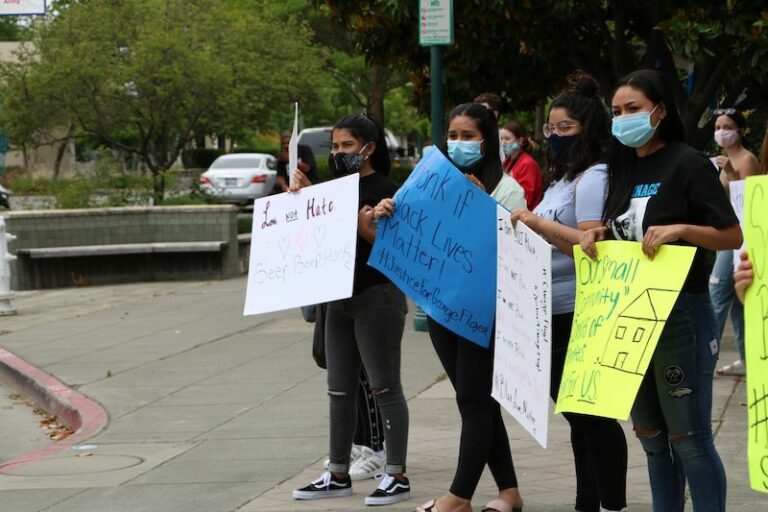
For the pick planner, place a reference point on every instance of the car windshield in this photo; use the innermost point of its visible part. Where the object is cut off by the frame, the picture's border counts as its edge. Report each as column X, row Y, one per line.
column 237, row 163
column 319, row 141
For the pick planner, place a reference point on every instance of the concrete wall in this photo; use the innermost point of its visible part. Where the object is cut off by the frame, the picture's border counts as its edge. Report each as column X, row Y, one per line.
column 100, row 226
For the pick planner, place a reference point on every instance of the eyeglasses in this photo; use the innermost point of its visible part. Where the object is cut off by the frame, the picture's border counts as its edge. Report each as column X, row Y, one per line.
column 723, row 111
column 563, row 126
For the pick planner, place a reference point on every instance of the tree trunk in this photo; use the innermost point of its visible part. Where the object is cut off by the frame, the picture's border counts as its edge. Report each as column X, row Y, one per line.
column 62, row 151
column 375, row 96
column 158, row 186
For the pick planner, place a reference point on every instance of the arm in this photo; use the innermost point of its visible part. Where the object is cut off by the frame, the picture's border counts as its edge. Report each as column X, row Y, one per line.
column 365, row 227
column 743, row 276
column 282, row 183
column 561, row 236
column 708, row 237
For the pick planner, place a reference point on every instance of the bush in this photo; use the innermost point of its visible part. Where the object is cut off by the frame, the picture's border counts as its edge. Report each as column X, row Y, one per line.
column 183, row 200
column 75, row 194
column 199, row 158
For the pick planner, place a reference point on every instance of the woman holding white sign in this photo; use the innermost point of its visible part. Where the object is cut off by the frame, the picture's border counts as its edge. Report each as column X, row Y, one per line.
column 365, row 329
column 473, row 147
column 735, row 165
column 577, row 132
column 662, row 191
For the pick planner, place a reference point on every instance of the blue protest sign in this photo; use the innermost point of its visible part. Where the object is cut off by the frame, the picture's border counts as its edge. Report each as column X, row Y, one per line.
column 439, row 248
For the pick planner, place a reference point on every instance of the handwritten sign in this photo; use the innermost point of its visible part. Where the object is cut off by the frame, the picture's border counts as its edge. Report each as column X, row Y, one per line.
column 623, row 300
column 737, row 201
column 523, row 350
column 756, row 324
column 439, row 247
column 303, row 247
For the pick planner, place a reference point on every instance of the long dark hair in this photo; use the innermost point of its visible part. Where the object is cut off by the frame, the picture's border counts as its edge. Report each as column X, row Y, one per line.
column 488, row 170
column 583, row 103
column 365, row 128
column 622, row 160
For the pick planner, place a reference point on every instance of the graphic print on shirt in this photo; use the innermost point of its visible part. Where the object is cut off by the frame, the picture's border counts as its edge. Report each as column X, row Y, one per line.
column 629, row 225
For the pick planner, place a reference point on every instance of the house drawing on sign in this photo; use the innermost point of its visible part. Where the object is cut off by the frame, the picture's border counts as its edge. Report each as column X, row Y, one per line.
column 626, row 349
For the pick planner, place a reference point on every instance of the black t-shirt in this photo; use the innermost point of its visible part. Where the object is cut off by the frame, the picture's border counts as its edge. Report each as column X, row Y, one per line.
column 305, row 155
column 677, row 185
column 373, row 188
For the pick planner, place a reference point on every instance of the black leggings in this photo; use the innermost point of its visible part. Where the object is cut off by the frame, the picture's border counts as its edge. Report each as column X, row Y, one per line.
column 483, row 435
column 599, row 445
column 369, row 431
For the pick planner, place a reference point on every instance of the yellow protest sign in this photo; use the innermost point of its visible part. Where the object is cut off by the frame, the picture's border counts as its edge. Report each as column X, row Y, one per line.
column 622, row 303
column 756, row 325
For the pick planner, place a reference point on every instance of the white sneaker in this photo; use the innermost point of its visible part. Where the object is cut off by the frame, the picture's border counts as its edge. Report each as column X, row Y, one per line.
column 737, row 368
column 354, row 454
column 368, row 465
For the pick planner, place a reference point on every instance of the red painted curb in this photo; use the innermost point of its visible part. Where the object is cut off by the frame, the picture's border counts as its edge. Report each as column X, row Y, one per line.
column 78, row 412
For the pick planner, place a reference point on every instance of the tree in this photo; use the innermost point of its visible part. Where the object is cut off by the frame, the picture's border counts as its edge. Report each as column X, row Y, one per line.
column 714, row 51
column 145, row 76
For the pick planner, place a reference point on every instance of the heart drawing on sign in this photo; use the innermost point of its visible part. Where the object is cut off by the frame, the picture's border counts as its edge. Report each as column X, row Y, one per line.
column 319, row 235
column 301, row 240
column 285, row 244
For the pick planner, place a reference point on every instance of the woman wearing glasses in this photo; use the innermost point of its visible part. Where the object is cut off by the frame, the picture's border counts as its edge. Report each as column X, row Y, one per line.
column 736, row 164
column 662, row 191
column 365, row 329
column 577, row 133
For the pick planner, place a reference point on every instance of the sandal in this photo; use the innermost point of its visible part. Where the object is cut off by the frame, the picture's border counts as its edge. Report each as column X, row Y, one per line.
column 430, row 506
column 499, row 505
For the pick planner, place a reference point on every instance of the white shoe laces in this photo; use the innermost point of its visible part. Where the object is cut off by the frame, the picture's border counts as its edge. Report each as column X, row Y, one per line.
column 324, row 480
column 385, row 482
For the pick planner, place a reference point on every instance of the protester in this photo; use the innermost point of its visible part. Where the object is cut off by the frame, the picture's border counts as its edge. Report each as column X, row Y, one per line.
column 743, row 276
column 365, row 330
column 736, row 164
column 491, row 101
column 577, row 132
column 764, row 153
column 662, row 191
column 473, row 146
column 306, row 164
column 518, row 162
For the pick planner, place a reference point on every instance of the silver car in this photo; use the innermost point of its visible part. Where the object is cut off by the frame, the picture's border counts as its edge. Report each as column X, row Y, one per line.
column 239, row 177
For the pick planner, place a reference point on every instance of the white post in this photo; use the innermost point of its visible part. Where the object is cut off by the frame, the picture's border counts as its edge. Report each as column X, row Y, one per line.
column 6, row 295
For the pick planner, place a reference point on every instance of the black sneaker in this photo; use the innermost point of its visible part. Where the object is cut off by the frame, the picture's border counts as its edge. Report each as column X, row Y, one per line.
column 390, row 490
column 327, row 486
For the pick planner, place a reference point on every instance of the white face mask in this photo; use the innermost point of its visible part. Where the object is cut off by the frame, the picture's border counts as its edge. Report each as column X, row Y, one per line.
column 726, row 138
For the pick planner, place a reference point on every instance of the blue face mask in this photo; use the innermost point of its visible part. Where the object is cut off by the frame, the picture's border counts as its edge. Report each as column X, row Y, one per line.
column 634, row 130
column 465, row 153
column 510, row 148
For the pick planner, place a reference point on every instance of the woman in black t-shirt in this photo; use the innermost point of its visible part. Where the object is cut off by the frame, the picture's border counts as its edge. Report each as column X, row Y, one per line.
column 364, row 330
column 661, row 191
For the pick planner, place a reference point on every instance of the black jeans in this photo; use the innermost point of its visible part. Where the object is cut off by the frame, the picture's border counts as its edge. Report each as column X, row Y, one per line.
column 599, row 445
column 369, row 430
column 483, row 435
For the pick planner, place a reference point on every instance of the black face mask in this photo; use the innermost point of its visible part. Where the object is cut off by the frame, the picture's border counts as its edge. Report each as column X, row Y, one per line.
column 561, row 146
column 344, row 164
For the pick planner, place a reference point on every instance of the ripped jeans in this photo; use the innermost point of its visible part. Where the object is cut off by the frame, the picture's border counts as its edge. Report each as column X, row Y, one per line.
column 673, row 411
column 367, row 330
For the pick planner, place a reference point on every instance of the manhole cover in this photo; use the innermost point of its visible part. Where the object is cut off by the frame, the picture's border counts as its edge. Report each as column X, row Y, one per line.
column 65, row 466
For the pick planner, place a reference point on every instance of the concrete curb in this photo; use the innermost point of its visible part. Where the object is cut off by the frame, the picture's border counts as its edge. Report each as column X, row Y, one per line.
column 81, row 414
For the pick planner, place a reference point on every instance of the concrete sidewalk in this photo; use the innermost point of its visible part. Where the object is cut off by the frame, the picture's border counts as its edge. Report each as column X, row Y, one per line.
column 213, row 411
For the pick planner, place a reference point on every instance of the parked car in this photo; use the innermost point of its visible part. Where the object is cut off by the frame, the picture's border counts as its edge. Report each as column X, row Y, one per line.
column 240, row 177
column 5, row 197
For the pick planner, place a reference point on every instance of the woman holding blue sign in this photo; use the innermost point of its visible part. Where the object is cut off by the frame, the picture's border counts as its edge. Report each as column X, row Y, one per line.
column 577, row 133
column 662, row 191
column 473, row 147
column 365, row 329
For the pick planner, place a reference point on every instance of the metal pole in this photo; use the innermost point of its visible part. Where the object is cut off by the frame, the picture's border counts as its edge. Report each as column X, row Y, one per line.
column 438, row 96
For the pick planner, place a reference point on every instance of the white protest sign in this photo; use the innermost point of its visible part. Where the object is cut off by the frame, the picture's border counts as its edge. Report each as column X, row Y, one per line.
column 737, row 201
column 303, row 247
column 293, row 146
column 523, row 353
column 22, row 7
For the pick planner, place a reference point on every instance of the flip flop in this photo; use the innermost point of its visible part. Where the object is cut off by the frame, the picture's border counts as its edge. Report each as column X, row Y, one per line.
column 500, row 506
column 430, row 506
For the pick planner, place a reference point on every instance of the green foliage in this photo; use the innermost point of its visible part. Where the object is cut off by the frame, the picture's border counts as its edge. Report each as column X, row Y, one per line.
column 183, row 200
column 146, row 75
column 75, row 194
column 199, row 158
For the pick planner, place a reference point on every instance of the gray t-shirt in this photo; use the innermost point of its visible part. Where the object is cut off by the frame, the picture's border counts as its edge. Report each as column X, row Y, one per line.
column 559, row 205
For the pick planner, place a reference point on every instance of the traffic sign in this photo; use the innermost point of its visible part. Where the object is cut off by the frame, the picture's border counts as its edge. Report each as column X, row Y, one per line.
column 22, row 7
column 435, row 22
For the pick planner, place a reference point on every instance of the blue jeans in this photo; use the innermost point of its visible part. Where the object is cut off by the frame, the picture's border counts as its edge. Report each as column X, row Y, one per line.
column 724, row 298
column 673, row 410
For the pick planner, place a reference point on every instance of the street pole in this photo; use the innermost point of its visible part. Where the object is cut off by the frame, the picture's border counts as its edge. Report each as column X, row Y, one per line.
column 437, row 98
